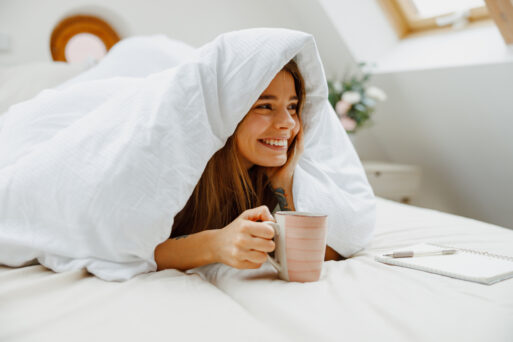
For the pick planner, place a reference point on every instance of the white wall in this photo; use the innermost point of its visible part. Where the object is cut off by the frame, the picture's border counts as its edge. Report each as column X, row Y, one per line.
column 456, row 124
column 29, row 23
column 449, row 109
column 363, row 27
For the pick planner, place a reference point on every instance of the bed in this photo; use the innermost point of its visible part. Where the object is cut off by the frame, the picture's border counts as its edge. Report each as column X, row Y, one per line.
column 355, row 299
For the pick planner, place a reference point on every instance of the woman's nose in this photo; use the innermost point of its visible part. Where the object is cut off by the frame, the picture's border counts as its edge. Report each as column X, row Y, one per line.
column 284, row 119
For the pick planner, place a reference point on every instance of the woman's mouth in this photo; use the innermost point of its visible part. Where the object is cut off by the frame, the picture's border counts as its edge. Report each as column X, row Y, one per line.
column 274, row 144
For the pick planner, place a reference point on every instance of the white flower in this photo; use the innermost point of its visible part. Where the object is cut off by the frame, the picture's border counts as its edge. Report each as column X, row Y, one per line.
column 352, row 97
column 376, row 93
column 337, row 86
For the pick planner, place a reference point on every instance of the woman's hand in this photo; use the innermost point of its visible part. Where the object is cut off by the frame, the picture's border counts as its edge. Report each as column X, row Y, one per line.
column 282, row 176
column 244, row 243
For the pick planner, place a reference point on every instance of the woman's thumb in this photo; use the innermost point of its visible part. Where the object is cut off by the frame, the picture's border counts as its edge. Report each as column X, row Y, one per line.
column 260, row 213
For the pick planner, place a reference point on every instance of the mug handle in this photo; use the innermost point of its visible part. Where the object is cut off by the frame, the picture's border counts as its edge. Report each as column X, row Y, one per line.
column 272, row 260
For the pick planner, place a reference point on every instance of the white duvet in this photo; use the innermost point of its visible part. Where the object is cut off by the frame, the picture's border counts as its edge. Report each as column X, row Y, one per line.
column 93, row 172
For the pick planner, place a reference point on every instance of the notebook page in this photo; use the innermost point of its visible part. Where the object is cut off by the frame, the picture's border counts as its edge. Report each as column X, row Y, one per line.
column 462, row 263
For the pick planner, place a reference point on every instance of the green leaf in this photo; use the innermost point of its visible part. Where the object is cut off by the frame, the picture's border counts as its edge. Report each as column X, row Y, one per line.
column 333, row 99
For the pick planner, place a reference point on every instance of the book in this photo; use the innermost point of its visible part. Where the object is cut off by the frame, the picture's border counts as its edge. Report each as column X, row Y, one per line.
column 466, row 264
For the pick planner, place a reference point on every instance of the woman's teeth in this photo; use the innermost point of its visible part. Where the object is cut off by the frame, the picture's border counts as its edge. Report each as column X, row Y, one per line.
column 275, row 142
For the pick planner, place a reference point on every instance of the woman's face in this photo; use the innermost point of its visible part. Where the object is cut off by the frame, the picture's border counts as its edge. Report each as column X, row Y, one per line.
column 266, row 132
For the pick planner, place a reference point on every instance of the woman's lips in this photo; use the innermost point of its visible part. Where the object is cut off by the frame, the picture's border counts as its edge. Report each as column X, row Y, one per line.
column 272, row 147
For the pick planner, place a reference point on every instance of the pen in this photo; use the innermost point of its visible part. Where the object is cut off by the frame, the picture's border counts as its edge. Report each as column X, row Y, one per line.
column 411, row 254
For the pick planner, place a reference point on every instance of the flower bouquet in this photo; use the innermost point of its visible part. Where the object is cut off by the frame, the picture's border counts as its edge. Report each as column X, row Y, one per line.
column 353, row 101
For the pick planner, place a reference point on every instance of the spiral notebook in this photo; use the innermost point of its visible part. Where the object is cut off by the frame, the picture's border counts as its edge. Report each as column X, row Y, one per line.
column 466, row 264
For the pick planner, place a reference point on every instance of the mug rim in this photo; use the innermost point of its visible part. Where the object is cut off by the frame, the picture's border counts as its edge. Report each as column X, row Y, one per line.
column 300, row 213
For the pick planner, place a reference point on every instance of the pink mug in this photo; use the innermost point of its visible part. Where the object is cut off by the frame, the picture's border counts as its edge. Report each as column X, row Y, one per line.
column 300, row 240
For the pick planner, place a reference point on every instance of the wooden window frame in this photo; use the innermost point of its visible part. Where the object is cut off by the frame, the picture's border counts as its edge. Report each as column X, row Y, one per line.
column 405, row 20
column 502, row 13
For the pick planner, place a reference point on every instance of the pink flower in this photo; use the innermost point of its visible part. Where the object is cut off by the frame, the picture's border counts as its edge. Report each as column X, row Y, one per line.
column 342, row 107
column 348, row 123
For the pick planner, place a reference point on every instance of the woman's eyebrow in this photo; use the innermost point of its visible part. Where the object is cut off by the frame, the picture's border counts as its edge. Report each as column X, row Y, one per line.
column 272, row 97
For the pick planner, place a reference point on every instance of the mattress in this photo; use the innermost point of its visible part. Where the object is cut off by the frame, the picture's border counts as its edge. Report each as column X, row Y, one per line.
column 356, row 299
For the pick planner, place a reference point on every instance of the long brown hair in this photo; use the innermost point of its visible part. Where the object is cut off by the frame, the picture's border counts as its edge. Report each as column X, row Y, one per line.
column 226, row 188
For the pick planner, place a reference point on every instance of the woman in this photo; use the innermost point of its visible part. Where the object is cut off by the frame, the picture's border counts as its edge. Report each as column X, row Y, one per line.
column 250, row 174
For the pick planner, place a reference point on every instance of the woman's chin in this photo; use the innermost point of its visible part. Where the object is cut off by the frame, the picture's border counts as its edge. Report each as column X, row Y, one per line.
column 276, row 162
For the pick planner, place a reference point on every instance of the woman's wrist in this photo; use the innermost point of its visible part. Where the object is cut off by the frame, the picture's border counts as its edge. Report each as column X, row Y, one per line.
column 283, row 193
column 282, row 180
column 213, row 247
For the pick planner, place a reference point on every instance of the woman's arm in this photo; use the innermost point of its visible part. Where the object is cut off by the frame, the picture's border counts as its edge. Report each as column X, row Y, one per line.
column 244, row 243
column 331, row 254
column 186, row 251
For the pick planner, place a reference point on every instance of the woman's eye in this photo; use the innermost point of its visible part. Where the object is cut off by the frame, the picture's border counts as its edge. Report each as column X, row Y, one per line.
column 292, row 107
column 264, row 106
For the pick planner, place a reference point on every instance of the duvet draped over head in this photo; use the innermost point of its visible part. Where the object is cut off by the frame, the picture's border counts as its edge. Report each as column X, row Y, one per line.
column 93, row 172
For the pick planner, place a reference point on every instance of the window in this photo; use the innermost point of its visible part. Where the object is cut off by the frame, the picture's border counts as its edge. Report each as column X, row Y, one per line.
column 433, row 8
column 411, row 16
column 80, row 37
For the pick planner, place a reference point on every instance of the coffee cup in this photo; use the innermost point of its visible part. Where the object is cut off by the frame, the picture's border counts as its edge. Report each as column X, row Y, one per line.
column 300, row 245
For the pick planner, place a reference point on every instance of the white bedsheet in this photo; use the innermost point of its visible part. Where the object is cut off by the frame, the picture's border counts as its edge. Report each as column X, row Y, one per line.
column 357, row 299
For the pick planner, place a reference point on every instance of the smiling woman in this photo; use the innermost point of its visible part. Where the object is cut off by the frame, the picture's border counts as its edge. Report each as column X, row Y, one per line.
column 257, row 164
column 271, row 125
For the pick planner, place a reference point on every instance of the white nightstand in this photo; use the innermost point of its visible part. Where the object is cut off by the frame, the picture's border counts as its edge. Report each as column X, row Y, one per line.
column 398, row 182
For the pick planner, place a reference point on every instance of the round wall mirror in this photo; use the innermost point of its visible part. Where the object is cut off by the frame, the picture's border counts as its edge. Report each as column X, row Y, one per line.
column 81, row 37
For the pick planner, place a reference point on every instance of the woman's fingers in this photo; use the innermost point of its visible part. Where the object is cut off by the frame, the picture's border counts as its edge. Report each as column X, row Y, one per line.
column 244, row 243
column 262, row 245
column 256, row 257
column 247, row 265
column 260, row 230
column 250, row 240
column 299, row 147
column 261, row 213
column 296, row 153
column 300, row 140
